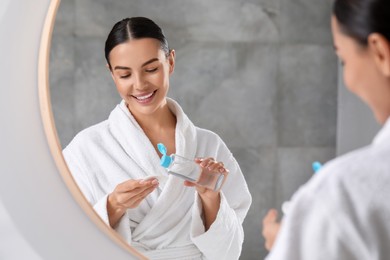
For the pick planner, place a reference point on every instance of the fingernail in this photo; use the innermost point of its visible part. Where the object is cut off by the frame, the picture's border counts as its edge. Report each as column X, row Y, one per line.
column 141, row 182
column 155, row 181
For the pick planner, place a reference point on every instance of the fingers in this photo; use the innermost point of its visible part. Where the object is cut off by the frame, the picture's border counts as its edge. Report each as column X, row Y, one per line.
column 270, row 217
column 133, row 198
column 129, row 191
column 137, row 199
column 211, row 164
column 270, row 228
column 189, row 184
column 135, row 184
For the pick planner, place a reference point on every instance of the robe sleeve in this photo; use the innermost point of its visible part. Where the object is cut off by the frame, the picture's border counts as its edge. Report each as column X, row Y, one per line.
column 316, row 227
column 99, row 204
column 224, row 238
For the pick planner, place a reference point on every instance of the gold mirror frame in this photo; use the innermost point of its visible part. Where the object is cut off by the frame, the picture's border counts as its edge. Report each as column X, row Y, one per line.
column 52, row 135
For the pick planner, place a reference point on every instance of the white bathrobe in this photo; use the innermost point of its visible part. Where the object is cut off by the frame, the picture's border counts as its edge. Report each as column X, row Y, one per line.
column 343, row 212
column 168, row 223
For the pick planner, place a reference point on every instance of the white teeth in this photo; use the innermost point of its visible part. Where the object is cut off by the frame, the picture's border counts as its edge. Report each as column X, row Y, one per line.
column 145, row 97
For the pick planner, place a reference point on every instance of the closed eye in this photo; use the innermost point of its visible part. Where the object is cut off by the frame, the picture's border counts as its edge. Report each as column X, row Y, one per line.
column 124, row 76
column 151, row 70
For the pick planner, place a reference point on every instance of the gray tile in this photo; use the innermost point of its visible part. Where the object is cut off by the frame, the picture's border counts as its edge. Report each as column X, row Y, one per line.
column 61, row 79
column 185, row 20
column 307, row 96
column 65, row 18
column 305, row 21
column 258, row 166
column 295, row 168
column 213, row 21
column 95, row 91
column 232, row 91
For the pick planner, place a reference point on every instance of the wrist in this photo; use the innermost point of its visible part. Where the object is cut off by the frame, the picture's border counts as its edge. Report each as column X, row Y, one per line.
column 113, row 209
column 210, row 199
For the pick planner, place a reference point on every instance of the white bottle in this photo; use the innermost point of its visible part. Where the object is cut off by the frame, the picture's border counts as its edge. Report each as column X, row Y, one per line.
column 189, row 170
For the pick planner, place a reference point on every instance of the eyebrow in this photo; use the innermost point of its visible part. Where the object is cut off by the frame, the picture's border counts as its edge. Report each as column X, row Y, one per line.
column 144, row 64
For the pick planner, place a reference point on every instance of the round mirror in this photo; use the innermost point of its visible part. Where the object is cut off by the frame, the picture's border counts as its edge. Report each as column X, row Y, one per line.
column 260, row 74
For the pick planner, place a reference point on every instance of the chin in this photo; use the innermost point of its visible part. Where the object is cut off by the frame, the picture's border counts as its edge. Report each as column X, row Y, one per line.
column 381, row 118
column 146, row 109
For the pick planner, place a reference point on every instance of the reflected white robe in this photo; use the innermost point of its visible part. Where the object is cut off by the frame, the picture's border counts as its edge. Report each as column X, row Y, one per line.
column 168, row 223
column 343, row 212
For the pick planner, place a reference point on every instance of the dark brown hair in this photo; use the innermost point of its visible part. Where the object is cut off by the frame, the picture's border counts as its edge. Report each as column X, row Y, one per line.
column 134, row 28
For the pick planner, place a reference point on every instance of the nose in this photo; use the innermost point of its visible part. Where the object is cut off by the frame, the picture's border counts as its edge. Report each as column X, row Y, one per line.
column 139, row 82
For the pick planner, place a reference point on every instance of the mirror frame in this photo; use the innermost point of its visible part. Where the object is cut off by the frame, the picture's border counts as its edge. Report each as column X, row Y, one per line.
column 52, row 135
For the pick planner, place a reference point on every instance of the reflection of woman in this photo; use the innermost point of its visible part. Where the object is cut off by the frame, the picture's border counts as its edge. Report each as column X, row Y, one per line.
column 111, row 160
column 344, row 211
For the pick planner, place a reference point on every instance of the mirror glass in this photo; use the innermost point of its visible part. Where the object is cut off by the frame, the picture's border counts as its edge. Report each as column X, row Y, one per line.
column 259, row 73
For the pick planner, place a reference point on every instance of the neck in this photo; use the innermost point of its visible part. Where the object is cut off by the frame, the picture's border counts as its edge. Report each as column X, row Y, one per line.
column 161, row 119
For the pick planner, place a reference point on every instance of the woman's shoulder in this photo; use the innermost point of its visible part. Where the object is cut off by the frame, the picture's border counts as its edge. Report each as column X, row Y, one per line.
column 211, row 143
column 353, row 175
column 203, row 133
column 91, row 135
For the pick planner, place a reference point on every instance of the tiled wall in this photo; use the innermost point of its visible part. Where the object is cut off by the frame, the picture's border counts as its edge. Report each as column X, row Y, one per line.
column 260, row 73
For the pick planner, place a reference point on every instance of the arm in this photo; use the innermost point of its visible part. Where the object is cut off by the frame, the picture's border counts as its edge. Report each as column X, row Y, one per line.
column 217, row 223
column 316, row 228
column 109, row 207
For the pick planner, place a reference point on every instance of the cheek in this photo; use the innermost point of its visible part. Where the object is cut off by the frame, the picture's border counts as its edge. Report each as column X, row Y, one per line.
column 354, row 76
column 161, row 79
column 349, row 79
column 121, row 88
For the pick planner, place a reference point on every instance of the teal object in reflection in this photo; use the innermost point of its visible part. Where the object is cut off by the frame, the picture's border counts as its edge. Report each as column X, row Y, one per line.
column 316, row 166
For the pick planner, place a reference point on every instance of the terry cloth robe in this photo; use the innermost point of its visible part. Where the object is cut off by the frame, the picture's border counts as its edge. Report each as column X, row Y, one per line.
column 343, row 212
column 168, row 223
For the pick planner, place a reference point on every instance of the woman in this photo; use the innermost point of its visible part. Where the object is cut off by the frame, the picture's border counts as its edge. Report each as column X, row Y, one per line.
column 344, row 211
column 117, row 166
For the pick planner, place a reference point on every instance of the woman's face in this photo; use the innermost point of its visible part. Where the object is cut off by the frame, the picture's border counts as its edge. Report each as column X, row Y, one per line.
column 141, row 70
column 361, row 73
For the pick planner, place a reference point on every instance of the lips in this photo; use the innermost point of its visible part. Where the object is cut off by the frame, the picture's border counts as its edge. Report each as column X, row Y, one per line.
column 145, row 98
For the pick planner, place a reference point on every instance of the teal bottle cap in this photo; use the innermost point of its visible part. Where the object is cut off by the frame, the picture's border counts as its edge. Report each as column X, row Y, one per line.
column 162, row 149
column 316, row 166
column 165, row 159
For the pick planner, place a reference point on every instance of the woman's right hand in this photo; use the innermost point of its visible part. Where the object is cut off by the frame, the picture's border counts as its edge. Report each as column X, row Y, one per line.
column 271, row 228
column 128, row 195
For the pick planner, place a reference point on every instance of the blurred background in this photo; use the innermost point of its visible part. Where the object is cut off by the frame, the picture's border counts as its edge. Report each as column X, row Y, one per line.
column 260, row 73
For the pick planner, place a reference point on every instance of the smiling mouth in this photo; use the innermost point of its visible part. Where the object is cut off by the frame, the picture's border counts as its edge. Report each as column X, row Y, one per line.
column 145, row 98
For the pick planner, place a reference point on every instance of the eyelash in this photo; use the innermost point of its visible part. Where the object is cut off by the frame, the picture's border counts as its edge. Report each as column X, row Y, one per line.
column 149, row 71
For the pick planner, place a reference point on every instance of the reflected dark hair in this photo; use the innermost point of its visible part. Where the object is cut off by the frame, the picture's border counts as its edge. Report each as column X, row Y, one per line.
column 359, row 18
column 134, row 28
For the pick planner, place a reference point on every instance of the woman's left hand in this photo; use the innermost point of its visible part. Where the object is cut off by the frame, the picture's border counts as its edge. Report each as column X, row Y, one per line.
column 210, row 199
column 212, row 166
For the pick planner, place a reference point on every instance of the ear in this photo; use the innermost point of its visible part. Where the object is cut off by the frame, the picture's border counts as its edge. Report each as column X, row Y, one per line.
column 171, row 60
column 380, row 49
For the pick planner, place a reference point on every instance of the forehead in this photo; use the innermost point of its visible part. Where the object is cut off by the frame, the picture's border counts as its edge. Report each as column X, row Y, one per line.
column 335, row 29
column 135, row 51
